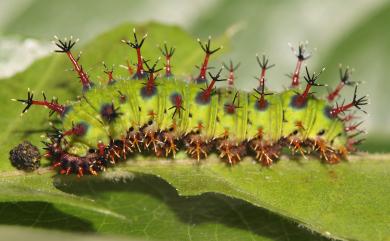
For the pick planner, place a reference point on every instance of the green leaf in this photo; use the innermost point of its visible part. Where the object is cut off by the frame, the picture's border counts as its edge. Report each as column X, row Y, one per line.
column 23, row 233
column 348, row 201
column 136, row 206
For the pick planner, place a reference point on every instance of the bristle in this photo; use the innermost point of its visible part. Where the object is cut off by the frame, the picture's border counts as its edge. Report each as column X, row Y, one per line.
column 65, row 46
column 202, row 78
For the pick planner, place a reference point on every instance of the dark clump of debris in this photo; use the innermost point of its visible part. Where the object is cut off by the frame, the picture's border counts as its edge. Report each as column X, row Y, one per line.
column 25, row 156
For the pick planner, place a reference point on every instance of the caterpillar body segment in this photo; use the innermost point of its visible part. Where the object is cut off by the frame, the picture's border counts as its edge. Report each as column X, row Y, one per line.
column 211, row 120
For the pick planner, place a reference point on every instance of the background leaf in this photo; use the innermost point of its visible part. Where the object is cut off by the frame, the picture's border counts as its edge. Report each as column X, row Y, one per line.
column 370, row 186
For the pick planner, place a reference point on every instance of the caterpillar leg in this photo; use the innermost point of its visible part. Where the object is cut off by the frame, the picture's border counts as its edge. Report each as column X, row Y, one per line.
column 325, row 152
column 169, row 143
column 231, row 151
column 151, row 139
column 297, row 145
column 266, row 153
column 197, row 147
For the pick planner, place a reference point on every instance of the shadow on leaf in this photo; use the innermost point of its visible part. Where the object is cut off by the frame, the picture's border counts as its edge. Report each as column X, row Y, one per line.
column 41, row 215
column 208, row 208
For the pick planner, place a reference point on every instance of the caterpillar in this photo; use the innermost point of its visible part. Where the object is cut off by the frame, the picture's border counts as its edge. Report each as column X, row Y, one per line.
column 157, row 113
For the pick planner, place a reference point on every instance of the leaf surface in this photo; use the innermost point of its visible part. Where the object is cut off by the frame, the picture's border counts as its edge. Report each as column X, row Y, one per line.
column 213, row 201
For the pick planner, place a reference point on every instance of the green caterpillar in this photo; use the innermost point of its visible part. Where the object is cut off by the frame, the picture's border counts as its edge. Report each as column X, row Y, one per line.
column 160, row 114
